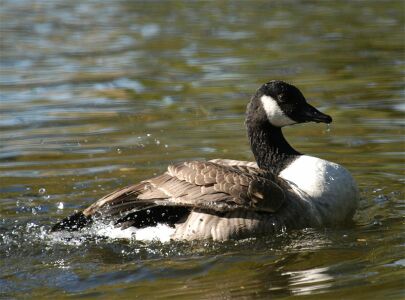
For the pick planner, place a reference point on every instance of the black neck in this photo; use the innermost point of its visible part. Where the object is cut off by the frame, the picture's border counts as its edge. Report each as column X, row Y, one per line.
column 271, row 150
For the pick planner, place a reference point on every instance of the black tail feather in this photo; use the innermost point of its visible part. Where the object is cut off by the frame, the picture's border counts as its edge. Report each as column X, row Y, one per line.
column 73, row 222
column 152, row 216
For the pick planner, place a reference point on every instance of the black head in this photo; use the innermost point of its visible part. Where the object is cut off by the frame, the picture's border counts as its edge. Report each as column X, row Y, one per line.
column 284, row 104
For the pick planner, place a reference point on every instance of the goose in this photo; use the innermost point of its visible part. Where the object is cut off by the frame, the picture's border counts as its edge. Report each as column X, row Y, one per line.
column 224, row 199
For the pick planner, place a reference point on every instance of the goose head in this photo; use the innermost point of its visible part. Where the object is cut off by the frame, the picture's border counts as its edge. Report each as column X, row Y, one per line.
column 282, row 104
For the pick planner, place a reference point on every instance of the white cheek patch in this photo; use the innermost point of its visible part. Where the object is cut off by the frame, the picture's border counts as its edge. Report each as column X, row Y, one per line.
column 274, row 113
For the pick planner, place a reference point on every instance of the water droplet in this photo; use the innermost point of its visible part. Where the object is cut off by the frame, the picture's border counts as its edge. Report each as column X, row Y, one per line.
column 119, row 151
column 328, row 127
column 166, row 145
column 148, row 134
column 60, row 205
column 377, row 223
column 42, row 191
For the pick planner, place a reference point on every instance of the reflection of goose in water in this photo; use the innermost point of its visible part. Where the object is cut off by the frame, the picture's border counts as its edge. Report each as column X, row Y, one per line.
column 222, row 199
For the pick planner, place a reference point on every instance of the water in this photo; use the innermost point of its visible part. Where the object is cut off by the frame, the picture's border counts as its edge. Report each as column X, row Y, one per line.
column 98, row 95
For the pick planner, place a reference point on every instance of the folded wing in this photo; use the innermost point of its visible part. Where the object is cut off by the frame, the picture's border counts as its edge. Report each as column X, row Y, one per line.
column 193, row 185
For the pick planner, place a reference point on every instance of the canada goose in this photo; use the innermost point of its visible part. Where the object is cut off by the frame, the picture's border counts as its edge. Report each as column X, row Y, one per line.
column 225, row 199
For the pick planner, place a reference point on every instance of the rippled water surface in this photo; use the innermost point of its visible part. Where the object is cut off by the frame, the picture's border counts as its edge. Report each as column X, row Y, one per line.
column 97, row 95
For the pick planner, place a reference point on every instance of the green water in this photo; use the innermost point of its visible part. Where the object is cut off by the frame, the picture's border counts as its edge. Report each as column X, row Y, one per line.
column 98, row 95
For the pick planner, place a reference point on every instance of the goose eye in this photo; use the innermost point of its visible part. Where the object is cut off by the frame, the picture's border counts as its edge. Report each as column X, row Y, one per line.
column 281, row 97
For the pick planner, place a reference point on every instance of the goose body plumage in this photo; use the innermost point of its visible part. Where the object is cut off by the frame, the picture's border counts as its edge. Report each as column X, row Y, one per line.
column 226, row 199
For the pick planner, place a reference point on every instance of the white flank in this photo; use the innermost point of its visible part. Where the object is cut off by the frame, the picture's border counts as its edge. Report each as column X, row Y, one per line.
column 323, row 182
column 274, row 113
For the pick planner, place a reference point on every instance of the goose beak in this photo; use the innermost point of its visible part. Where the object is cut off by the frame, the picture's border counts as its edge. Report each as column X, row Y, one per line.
column 311, row 114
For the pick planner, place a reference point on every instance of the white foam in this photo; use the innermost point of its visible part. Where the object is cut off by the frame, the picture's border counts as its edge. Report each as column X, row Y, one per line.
column 161, row 232
column 114, row 233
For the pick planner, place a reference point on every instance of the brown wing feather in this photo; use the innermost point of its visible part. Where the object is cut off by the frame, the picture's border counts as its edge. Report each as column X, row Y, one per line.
column 197, row 184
